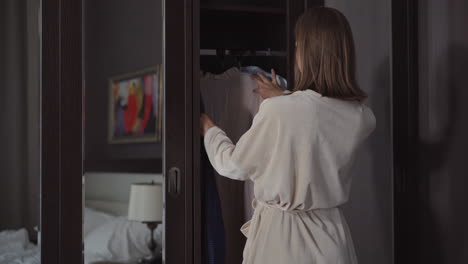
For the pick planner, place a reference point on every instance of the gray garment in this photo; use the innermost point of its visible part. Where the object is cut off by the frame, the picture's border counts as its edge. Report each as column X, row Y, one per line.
column 230, row 101
column 235, row 114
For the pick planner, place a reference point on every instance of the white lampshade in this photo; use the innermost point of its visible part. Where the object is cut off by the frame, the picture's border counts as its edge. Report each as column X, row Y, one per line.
column 146, row 202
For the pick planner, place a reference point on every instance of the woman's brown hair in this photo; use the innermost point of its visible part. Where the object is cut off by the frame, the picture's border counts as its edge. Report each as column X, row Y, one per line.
column 325, row 56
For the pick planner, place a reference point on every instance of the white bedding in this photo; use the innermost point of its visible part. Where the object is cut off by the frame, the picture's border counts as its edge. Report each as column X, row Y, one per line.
column 107, row 238
column 115, row 238
column 15, row 248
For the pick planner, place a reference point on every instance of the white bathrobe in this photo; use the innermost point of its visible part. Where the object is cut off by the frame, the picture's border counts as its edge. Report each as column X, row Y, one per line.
column 298, row 153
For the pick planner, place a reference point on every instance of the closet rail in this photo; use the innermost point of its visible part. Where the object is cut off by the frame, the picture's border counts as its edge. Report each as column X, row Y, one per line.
column 253, row 53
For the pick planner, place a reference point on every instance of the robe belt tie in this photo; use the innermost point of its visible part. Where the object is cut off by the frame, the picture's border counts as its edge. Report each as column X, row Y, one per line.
column 256, row 204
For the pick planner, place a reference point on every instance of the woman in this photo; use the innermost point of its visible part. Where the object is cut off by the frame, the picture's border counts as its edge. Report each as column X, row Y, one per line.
column 300, row 149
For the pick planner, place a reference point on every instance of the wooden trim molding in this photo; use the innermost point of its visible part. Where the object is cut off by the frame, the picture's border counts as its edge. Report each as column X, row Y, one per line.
column 179, row 130
column 61, row 133
column 197, row 178
column 405, row 126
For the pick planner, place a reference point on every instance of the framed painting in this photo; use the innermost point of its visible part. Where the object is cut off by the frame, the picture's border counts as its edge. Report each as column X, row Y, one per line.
column 135, row 107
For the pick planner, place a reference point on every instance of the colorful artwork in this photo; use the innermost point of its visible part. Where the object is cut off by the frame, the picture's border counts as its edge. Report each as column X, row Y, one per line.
column 136, row 107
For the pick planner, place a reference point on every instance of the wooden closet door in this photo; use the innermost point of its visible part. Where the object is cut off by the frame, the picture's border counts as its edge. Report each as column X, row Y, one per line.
column 62, row 132
column 181, row 133
column 405, row 130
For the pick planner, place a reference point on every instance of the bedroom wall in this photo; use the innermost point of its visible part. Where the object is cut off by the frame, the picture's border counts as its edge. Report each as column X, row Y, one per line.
column 114, row 188
column 369, row 211
column 121, row 37
column 443, row 114
column 19, row 115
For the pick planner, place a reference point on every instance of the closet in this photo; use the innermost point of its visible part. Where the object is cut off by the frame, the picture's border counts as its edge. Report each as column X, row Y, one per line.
column 234, row 34
column 201, row 35
column 241, row 32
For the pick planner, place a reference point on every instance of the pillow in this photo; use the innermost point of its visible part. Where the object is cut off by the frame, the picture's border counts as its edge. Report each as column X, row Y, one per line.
column 93, row 219
column 120, row 240
column 13, row 240
column 16, row 248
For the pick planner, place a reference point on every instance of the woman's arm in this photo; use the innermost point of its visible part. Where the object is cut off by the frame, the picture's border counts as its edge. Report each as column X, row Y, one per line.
column 220, row 151
column 205, row 123
column 244, row 160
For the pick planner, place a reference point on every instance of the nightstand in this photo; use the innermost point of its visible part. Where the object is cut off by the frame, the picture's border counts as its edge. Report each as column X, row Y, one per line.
column 156, row 260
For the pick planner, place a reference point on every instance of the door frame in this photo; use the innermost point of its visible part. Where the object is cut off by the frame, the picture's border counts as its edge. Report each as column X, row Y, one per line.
column 405, row 127
column 61, row 132
column 197, row 244
column 180, row 135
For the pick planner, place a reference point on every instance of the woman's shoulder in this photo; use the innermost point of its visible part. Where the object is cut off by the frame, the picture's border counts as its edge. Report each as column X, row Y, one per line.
column 286, row 106
column 277, row 103
column 287, row 98
column 369, row 118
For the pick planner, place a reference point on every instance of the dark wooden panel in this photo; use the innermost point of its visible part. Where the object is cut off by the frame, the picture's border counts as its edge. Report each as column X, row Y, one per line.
column 313, row 3
column 50, row 132
column 190, row 131
column 61, row 208
column 244, row 8
column 242, row 30
column 71, row 127
column 178, row 130
column 405, row 127
column 245, row 5
column 197, row 180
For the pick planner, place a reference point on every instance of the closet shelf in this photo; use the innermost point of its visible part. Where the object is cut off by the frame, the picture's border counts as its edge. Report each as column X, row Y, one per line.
column 243, row 8
column 213, row 52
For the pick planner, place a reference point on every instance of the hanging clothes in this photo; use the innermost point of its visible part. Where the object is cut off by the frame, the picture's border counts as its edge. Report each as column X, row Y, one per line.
column 298, row 152
column 236, row 116
column 230, row 101
column 213, row 225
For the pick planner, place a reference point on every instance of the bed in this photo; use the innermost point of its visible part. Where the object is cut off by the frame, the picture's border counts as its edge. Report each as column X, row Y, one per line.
column 15, row 248
column 108, row 236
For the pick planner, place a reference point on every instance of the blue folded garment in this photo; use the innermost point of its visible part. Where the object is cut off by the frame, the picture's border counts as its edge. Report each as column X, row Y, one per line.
column 282, row 82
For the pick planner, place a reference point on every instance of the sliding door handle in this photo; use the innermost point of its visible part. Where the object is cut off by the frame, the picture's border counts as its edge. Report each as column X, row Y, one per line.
column 173, row 184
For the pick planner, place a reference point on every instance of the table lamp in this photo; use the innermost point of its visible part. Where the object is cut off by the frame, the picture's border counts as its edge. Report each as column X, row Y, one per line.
column 146, row 206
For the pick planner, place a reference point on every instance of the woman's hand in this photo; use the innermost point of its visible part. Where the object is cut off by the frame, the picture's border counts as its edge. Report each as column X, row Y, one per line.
column 267, row 88
column 205, row 123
